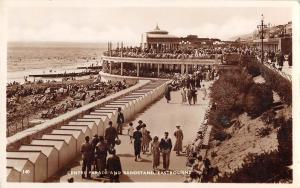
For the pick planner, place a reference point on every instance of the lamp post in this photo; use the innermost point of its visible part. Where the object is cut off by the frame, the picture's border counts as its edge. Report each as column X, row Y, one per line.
column 262, row 27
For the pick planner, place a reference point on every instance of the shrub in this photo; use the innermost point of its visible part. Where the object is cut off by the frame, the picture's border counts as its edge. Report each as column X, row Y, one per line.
column 263, row 168
column 278, row 122
column 285, row 142
column 258, row 99
column 268, row 117
column 221, row 135
column 253, row 69
column 279, row 84
column 262, row 132
column 228, row 94
column 267, row 167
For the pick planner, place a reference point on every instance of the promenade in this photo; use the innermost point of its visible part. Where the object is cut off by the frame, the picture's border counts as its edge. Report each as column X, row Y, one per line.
column 159, row 117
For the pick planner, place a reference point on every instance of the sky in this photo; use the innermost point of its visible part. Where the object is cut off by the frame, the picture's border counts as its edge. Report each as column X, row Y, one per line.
column 102, row 24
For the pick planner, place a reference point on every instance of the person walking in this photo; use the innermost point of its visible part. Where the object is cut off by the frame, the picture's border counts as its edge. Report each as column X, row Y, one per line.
column 147, row 141
column 179, row 137
column 140, row 124
column 198, row 79
column 130, row 131
column 155, row 151
column 144, row 137
column 280, row 59
column 114, row 167
column 189, row 96
column 120, row 121
column 194, row 95
column 101, row 154
column 137, row 136
column 87, row 153
column 111, row 135
column 166, row 147
column 203, row 90
column 183, row 95
column 94, row 142
column 188, row 81
column 168, row 93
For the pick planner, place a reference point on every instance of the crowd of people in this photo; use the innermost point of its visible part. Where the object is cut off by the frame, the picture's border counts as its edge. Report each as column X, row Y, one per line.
column 210, row 52
column 189, row 53
column 189, row 85
column 144, row 143
column 54, row 98
column 95, row 152
column 275, row 58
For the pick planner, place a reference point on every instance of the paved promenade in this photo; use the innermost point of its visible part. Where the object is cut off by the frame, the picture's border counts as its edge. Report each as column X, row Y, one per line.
column 159, row 117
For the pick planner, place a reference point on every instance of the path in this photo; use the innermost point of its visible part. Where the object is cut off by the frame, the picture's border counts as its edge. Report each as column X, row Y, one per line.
column 159, row 117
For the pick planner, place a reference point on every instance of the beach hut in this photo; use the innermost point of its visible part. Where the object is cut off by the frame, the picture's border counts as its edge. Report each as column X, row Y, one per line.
column 103, row 117
column 91, row 125
column 68, row 138
column 125, row 109
column 138, row 102
column 12, row 175
column 77, row 134
column 60, row 145
column 131, row 102
column 37, row 158
column 111, row 114
column 149, row 93
column 97, row 120
column 49, row 151
column 145, row 98
column 83, row 128
column 24, row 166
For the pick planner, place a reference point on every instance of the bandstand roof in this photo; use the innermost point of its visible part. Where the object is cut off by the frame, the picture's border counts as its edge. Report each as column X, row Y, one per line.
column 158, row 31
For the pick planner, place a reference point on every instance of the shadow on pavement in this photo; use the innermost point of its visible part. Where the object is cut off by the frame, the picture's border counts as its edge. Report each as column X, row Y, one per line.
column 125, row 155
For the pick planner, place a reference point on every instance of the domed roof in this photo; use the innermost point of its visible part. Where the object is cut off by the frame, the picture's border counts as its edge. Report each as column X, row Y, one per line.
column 158, row 31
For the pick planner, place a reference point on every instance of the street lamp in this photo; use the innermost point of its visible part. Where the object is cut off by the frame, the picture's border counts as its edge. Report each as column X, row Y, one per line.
column 262, row 27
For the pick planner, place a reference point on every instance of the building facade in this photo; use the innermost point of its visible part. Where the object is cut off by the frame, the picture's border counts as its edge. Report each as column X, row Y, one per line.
column 161, row 40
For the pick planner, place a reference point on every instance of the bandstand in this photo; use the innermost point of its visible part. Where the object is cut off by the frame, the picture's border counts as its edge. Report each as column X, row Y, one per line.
column 116, row 65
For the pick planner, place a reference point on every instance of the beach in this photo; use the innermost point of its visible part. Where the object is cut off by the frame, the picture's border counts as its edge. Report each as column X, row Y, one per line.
column 24, row 59
column 29, row 103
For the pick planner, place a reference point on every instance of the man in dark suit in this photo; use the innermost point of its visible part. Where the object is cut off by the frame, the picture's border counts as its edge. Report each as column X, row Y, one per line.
column 110, row 135
column 114, row 167
column 87, row 156
column 166, row 147
column 120, row 121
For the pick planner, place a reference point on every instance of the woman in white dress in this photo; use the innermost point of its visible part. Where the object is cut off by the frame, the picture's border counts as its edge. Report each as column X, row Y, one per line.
column 183, row 95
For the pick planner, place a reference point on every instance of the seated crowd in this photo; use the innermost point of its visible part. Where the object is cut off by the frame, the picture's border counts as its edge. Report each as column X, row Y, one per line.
column 55, row 98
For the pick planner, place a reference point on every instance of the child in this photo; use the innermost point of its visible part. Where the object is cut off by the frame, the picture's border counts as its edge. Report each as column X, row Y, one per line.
column 130, row 131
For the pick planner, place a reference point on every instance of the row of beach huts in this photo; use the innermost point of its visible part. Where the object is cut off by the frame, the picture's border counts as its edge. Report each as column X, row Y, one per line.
column 51, row 152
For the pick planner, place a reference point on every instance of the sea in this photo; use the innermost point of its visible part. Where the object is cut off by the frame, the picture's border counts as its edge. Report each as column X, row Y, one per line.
column 24, row 59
